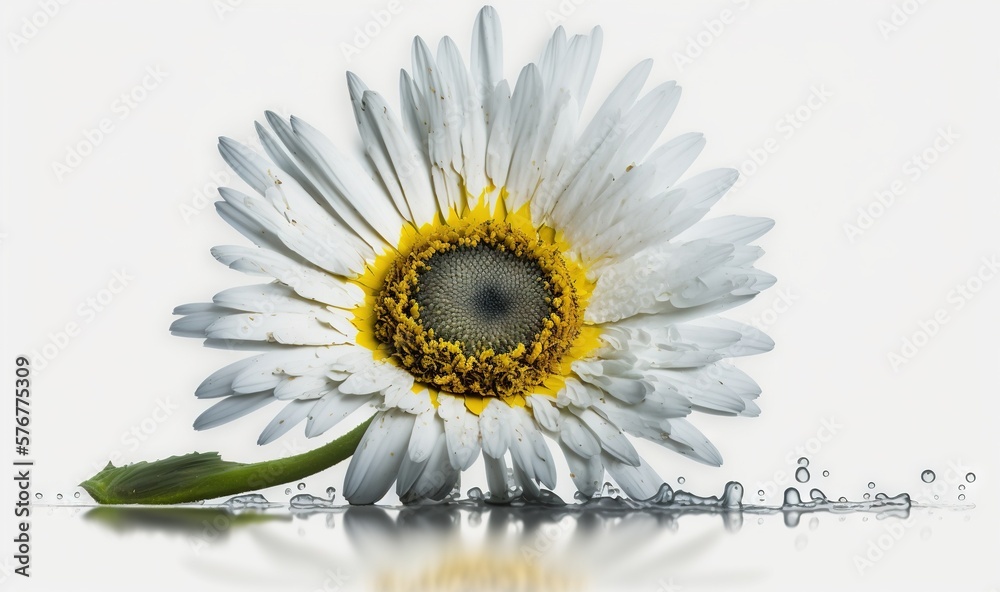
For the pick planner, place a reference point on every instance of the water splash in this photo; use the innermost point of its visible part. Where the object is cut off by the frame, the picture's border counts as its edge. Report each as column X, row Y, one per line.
column 251, row 501
column 305, row 501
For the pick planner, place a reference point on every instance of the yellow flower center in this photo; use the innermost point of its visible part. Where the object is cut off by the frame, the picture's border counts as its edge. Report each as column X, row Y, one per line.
column 480, row 305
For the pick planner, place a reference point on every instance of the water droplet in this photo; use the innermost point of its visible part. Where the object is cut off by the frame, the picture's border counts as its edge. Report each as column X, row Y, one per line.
column 970, row 477
column 817, row 495
column 305, row 501
column 803, row 462
column 814, row 523
column 760, row 492
column 826, row 473
column 331, row 491
column 58, row 496
column 475, row 494
column 792, row 497
column 300, row 486
column 842, row 499
column 288, row 490
column 871, row 485
column 608, row 490
column 38, row 496
column 680, row 480
column 249, row 501
column 760, row 521
column 867, row 496
column 961, row 487
column 802, row 474
column 664, row 495
column 936, row 497
column 881, row 496
column 927, row 476
column 961, row 497
column 864, row 519
column 733, row 495
column 77, row 494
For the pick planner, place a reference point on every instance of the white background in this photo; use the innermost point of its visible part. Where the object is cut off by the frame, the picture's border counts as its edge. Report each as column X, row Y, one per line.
column 140, row 201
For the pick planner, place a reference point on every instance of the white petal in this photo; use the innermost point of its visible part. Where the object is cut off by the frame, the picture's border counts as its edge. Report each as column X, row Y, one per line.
column 612, row 439
column 687, row 440
column 445, row 120
column 287, row 328
column 494, row 426
column 618, row 378
column 461, row 429
column 330, row 410
column 436, row 480
column 220, row 382
column 398, row 157
column 717, row 388
column 640, row 482
column 289, row 417
column 306, row 281
column 302, row 387
column 497, row 478
column 740, row 230
column 545, row 412
column 374, row 378
column 231, row 408
column 331, row 251
column 529, row 451
column 427, row 429
column 577, row 393
column 376, row 461
column 577, row 437
column 587, row 472
column 487, row 50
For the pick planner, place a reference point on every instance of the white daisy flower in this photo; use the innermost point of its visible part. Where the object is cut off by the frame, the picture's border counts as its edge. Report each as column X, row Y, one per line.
column 496, row 276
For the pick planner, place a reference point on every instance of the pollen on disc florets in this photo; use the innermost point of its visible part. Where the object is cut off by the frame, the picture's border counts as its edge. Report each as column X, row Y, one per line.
column 479, row 310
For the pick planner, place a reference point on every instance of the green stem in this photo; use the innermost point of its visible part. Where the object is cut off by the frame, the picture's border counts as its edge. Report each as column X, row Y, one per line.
column 204, row 475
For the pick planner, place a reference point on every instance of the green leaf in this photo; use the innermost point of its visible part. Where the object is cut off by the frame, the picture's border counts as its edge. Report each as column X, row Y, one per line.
column 204, row 475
